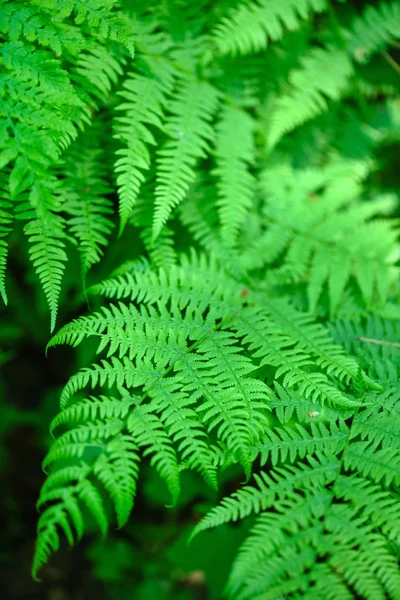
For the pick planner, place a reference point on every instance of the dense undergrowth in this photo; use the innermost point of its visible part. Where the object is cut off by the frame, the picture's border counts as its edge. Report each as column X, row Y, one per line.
column 203, row 200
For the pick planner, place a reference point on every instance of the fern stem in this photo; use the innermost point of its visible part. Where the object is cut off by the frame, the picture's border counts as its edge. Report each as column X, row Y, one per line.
column 379, row 342
column 391, row 61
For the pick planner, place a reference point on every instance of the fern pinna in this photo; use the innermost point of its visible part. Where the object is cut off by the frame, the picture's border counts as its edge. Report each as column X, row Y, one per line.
column 236, row 155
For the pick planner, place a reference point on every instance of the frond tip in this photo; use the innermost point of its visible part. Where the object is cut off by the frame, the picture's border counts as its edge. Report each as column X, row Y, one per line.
column 46, row 236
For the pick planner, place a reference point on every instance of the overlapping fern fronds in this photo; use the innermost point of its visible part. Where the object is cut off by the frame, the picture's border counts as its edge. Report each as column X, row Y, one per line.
column 324, row 235
column 62, row 61
column 180, row 357
column 53, row 72
column 245, row 148
column 330, row 497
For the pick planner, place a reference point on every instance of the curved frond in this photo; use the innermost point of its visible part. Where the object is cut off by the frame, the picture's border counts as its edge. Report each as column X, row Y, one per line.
column 143, row 108
column 190, row 131
column 249, row 27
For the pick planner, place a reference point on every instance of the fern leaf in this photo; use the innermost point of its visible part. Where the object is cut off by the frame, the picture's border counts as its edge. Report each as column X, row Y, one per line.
column 5, row 228
column 85, row 202
column 219, row 374
column 117, row 469
column 379, row 506
column 148, row 431
column 189, row 128
column 177, row 411
column 161, row 251
column 381, row 465
column 92, row 408
column 234, row 154
column 281, row 444
column 98, row 14
column 359, row 247
column 249, row 27
column 99, row 69
column 324, row 75
column 48, row 256
column 374, row 29
column 54, row 519
column 271, row 345
column 30, row 22
column 270, row 488
column 145, row 97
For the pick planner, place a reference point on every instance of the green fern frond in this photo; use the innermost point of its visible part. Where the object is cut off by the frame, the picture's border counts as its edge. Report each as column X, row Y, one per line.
column 85, row 202
column 333, row 232
column 148, row 431
column 39, row 68
column 161, row 251
column 379, row 506
column 249, row 27
column 313, row 339
column 375, row 339
column 305, row 522
column 373, row 30
column 73, row 442
column 234, row 155
column 19, row 20
column 189, row 128
column 52, row 71
column 181, row 355
column 6, row 218
column 91, row 408
column 46, row 236
column 196, row 279
column 65, row 511
column 324, row 75
column 178, row 411
column 233, row 403
column 55, row 519
column 275, row 349
column 271, row 487
column 199, row 216
column 99, row 69
column 145, row 97
column 277, row 167
column 380, row 465
column 289, row 405
column 98, row 14
column 117, row 470
column 288, row 443
column 353, row 510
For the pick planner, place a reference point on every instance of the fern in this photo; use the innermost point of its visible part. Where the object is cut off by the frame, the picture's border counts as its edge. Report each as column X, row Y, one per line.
column 333, row 232
column 145, row 97
column 6, row 218
column 325, row 507
column 249, row 27
column 98, row 14
column 85, row 202
column 178, row 354
column 251, row 316
column 47, row 254
column 189, row 129
column 45, row 100
column 235, row 183
column 377, row 27
column 325, row 75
